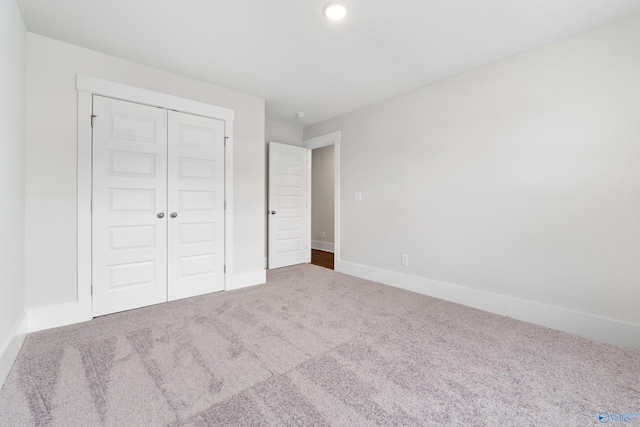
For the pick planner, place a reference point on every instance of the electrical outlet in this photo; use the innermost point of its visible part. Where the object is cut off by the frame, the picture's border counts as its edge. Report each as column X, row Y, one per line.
column 405, row 259
column 357, row 196
column 324, row 234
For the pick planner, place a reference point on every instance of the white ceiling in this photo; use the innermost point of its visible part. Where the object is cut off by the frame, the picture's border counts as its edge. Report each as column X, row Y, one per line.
column 287, row 52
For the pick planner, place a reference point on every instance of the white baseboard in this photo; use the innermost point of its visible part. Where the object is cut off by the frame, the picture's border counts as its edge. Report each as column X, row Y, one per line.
column 11, row 347
column 67, row 314
column 582, row 324
column 322, row 246
column 59, row 315
column 243, row 280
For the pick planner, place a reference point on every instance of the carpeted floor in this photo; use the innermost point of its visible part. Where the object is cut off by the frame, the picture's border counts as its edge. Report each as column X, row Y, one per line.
column 315, row 347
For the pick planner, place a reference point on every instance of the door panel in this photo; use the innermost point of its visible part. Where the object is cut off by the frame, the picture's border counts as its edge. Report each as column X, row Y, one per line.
column 196, row 197
column 129, row 190
column 289, row 205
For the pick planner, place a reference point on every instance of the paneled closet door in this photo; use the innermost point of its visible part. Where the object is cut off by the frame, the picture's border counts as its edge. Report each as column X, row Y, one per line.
column 129, row 222
column 196, row 205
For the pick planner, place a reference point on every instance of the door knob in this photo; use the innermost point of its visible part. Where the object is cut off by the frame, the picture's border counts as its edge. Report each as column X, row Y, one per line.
column 273, row 212
column 161, row 215
column 173, row 215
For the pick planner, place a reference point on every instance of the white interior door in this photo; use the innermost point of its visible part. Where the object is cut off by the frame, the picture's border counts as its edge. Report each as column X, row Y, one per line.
column 129, row 228
column 196, row 205
column 289, row 205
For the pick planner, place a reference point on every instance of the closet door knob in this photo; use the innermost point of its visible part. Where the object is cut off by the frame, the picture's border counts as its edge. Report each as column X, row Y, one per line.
column 173, row 215
column 161, row 215
column 273, row 212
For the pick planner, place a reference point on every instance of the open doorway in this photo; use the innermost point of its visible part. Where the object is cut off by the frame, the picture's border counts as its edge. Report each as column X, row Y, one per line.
column 322, row 206
column 324, row 199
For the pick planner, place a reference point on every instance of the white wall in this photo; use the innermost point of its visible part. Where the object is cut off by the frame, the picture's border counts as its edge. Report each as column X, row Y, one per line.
column 518, row 179
column 283, row 133
column 13, row 57
column 52, row 155
column 322, row 193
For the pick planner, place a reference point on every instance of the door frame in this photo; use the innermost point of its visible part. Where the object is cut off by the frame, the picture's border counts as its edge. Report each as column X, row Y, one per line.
column 325, row 140
column 89, row 86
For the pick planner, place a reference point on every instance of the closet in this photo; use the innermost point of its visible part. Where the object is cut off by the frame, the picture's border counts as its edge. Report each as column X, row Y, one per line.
column 157, row 205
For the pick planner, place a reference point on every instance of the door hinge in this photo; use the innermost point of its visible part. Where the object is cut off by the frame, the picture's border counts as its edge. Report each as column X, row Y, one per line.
column 225, row 269
column 225, row 205
column 92, row 118
column 92, row 289
column 225, row 140
column 91, row 205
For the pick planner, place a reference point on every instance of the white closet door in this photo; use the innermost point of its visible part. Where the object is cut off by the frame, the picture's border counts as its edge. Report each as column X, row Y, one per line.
column 129, row 205
column 196, row 205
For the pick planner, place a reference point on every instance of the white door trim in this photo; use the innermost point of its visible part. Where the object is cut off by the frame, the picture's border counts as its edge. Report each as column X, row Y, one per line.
column 87, row 86
column 155, row 99
column 332, row 138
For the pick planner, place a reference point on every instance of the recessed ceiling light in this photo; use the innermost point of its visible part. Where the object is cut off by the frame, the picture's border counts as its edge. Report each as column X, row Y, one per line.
column 300, row 115
column 335, row 11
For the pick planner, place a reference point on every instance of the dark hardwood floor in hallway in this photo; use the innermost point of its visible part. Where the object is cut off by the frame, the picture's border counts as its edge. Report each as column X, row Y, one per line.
column 322, row 258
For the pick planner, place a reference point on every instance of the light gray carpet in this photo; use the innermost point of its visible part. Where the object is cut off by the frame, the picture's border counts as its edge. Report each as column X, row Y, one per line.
column 315, row 347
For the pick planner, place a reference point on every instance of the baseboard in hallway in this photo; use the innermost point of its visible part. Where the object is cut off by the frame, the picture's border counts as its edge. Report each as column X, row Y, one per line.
column 322, row 258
